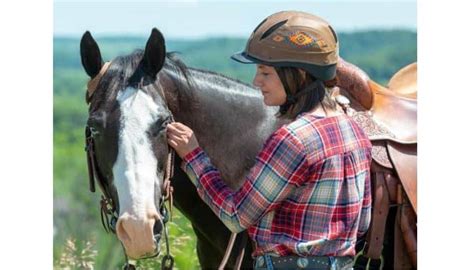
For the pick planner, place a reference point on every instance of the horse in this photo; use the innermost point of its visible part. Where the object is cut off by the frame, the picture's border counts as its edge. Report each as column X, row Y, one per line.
column 132, row 98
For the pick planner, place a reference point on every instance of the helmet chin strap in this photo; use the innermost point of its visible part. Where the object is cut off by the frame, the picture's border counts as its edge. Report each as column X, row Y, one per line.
column 291, row 99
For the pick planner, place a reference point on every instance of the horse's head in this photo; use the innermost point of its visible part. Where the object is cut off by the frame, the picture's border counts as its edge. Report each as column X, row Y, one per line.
column 127, row 120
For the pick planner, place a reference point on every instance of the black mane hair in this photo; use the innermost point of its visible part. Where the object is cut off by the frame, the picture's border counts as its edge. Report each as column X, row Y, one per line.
column 123, row 68
column 225, row 77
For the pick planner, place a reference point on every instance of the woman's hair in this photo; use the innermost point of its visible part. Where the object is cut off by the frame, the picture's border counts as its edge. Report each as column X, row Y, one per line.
column 293, row 81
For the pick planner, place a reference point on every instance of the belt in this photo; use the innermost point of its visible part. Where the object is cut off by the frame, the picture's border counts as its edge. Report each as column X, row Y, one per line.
column 295, row 262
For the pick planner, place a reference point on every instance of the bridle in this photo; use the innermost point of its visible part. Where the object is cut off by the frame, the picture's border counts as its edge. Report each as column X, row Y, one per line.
column 108, row 206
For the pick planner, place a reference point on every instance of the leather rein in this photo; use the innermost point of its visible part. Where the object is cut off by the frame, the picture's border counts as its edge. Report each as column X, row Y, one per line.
column 108, row 207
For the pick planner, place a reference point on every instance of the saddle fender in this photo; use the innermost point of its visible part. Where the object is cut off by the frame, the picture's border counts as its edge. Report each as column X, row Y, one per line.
column 404, row 159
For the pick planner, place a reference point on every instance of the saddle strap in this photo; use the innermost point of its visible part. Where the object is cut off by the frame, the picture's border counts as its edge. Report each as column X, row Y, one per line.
column 400, row 257
column 408, row 229
column 230, row 245
column 241, row 250
column 243, row 244
column 379, row 216
column 405, row 255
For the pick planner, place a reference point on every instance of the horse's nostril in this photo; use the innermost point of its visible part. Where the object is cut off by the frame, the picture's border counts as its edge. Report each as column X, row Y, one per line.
column 138, row 234
column 121, row 231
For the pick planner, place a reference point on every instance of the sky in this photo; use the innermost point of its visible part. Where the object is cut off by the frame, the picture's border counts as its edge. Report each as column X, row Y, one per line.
column 190, row 19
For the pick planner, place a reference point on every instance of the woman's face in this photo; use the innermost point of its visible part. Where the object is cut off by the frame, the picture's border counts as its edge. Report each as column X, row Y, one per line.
column 267, row 80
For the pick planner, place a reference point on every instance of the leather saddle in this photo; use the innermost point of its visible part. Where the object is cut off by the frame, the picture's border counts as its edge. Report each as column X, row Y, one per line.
column 389, row 118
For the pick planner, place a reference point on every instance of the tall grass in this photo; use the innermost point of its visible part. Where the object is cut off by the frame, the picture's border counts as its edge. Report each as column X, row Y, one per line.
column 84, row 254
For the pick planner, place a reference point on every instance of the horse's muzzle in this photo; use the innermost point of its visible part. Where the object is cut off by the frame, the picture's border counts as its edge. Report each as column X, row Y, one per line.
column 140, row 237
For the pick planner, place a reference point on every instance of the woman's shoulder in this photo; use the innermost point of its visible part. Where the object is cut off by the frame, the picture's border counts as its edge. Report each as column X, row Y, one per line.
column 286, row 134
column 333, row 131
column 296, row 133
column 307, row 124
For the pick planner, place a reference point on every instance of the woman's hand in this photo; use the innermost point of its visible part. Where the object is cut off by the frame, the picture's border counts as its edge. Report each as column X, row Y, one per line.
column 181, row 138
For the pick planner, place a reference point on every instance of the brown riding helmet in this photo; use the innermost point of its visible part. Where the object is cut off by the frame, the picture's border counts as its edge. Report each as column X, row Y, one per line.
column 294, row 39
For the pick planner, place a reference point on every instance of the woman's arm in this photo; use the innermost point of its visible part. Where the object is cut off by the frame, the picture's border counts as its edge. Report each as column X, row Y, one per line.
column 280, row 167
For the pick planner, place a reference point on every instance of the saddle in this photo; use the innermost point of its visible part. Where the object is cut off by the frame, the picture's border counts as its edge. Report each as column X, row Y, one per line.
column 404, row 82
column 389, row 118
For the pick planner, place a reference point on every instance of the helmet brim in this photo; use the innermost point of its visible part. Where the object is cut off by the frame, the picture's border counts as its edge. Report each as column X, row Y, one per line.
column 244, row 58
column 321, row 72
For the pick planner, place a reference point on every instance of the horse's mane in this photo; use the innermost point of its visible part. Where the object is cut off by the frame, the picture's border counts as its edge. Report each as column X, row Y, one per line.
column 224, row 78
column 228, row 83
column 122, row 68
column 188, row 81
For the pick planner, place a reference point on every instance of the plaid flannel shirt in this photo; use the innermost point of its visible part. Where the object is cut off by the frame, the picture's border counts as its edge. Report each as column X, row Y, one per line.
column 308, row 193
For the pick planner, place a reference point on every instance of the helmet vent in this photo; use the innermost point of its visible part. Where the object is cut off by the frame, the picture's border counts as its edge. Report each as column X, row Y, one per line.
column 260, row 24
column 272, row 29
column 333, row 32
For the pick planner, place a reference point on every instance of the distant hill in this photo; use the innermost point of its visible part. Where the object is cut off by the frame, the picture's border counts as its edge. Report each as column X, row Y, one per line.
column 379, row 53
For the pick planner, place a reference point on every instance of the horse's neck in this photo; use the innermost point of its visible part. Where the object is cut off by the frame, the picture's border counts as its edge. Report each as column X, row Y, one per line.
column 230, row 122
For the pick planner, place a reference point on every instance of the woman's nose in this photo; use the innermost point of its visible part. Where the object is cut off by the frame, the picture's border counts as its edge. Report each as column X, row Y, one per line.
column 256, row 82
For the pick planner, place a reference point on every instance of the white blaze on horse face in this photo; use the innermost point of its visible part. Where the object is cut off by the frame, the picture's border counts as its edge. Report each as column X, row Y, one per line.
column 135, row 168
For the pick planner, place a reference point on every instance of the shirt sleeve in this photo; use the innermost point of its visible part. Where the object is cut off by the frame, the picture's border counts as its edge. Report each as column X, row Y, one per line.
column 280, row 167
column 366, row 210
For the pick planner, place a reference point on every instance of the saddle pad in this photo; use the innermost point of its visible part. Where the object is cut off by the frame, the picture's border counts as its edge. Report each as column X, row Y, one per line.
column 373, row 129
column 380, row 154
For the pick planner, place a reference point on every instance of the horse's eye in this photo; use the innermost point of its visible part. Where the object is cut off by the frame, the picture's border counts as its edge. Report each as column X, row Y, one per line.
column 96, row 123
column 94, row 131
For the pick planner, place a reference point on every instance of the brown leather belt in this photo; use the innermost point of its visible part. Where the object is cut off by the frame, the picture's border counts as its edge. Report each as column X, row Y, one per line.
column 296, row 262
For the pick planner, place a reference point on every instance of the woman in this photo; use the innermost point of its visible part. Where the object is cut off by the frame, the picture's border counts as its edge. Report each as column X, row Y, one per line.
column 308, row 196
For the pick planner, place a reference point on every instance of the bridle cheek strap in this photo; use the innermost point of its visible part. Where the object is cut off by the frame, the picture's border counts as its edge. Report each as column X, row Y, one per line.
column 94, row 82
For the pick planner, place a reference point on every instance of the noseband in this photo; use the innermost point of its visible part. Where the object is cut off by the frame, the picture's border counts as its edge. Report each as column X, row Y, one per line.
column 108, row 206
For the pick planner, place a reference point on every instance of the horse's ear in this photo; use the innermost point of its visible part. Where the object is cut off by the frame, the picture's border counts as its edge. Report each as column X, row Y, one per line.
column 90, row 55
column 155, row 53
